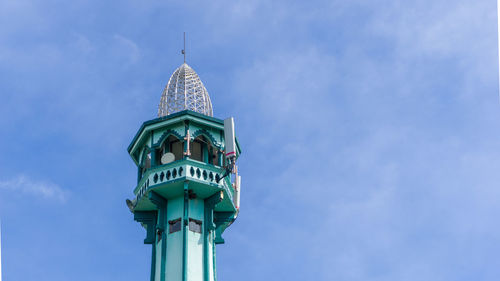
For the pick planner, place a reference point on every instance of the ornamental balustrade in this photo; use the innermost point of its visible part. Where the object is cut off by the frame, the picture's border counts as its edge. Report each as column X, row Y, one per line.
column 182, row 170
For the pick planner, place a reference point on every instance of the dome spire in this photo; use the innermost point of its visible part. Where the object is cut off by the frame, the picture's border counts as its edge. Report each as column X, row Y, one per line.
column 184, row 91
column 184, row 50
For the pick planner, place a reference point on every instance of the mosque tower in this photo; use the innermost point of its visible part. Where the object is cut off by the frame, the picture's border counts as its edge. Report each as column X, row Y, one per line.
column 187, row 190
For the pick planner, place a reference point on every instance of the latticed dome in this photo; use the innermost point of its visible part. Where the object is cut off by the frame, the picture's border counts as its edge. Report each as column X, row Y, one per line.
column 184, row 91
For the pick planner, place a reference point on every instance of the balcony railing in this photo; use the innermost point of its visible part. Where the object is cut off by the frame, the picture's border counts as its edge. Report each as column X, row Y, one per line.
column 185, row 169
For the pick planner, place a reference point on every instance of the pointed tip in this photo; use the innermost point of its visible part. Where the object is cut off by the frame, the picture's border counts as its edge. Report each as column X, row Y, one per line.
column 184, row 50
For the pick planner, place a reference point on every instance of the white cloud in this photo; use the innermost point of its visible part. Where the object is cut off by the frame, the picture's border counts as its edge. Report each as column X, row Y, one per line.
column 440, row 29
column 24, row 184
column 127, row 48
column 387, row 188
column 83, row 44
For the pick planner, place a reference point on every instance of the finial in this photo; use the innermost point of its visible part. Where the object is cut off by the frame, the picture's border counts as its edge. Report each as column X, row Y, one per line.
column 184, row 50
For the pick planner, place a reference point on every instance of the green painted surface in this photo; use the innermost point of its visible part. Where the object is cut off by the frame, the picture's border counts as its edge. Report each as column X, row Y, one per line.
column 195, row 256
column 158, row 260
column 167, row 121
column 200, row 182
column 184, row 232
column 184, row 189
column 210, row 254
column 195, row 242
column 175, row 210
column 153, row 263
column 198, row 122
column 160, row 134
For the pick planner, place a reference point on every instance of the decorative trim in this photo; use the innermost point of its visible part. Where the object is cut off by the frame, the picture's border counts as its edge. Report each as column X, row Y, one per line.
column 209, row 226
column 159, row 201
column 181, row 115
column 207, row 134
column 149, row 219
column 165, row 135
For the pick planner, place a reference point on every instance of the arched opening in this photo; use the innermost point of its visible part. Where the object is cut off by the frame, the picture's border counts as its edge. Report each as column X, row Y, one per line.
column 145, row 161
column 173, row 145
column 204, row 151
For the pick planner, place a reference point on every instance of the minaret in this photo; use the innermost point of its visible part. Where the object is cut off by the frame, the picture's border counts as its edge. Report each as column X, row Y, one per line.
column 187, row 190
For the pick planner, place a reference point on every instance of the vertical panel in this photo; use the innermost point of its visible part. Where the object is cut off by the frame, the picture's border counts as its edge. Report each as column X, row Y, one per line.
column 158, row 260
column 229, row 137
column 174, row 241
column 195, row 242
column 210, row 255
column 196, row 151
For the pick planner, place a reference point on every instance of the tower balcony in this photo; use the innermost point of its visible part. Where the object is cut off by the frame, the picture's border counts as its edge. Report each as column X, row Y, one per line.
column 168, row 180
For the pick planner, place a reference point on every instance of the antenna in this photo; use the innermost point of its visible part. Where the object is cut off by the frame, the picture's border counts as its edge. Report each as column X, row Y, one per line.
column 230, row 146
column 183, row 52
column 237, row 187
column 229, row 138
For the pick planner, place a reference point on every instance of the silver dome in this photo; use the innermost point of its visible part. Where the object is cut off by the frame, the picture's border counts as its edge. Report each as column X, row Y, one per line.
column 184, row 91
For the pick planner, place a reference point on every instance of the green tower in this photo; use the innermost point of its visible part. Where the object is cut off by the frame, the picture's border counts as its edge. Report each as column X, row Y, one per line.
column 187, row 189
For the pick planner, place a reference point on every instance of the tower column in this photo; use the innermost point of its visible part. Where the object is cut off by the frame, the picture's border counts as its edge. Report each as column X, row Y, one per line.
column 209, row 227
column 160, row 245
column 185, row 227
column 148, row 218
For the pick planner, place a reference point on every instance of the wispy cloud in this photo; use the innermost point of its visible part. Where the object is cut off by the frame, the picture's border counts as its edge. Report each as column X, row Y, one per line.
column 127, row 48
column 24, row 184
column 357, row 136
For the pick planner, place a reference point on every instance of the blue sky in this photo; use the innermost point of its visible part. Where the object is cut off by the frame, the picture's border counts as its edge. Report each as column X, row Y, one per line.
column 369, row 129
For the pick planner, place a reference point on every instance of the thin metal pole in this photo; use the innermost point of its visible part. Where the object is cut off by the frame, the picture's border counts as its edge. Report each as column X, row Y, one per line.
column 184, row 50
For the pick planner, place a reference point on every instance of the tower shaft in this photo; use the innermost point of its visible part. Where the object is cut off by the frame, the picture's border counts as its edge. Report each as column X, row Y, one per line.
column 182, row 197
column 183, row 245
